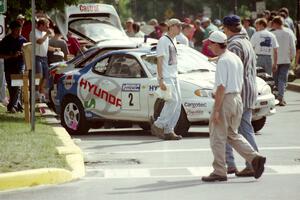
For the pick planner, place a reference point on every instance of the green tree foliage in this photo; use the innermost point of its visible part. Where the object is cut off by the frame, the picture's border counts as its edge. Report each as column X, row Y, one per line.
column 15, row 7
column 160, row 9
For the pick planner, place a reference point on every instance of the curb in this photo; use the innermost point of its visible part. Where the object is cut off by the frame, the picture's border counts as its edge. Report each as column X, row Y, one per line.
column 294, row 87
column 48, row 176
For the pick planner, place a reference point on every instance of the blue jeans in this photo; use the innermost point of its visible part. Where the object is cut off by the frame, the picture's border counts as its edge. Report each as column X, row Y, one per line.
column 247, row 131
column 280, row 78
column 42, row 66
column 265, row 61
column 171, row 111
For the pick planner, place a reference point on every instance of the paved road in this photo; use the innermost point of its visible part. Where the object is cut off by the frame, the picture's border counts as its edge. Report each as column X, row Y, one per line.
column 132, row 164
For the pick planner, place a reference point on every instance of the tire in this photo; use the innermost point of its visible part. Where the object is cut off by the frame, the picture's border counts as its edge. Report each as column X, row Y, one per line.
column 258, row 124
column 73, row 116
column 183, row 124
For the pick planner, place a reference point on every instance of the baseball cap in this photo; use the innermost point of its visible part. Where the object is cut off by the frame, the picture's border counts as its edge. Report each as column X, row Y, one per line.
column 130, row 20
column 20, row 16
column 204, row 19
column 232, row 20
column 217, row 37
column 173, row 22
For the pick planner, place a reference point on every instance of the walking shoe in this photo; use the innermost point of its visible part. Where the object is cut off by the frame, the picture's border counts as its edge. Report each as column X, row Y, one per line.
column 245, row 173
column 213, row 177
column 258, row 164
column 282, row 103
column 172, row 136
column 159, row 132
column 232, row 170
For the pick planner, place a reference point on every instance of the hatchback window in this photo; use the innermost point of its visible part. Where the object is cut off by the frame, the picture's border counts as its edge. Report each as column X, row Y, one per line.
column 96, row 30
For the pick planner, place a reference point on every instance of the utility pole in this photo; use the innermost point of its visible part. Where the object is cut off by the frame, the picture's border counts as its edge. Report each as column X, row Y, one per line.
column 32, row 105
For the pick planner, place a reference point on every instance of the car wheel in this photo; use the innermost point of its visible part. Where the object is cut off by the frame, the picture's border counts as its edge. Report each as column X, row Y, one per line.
column 258, row 124
column 183, row 124
column 72, row 116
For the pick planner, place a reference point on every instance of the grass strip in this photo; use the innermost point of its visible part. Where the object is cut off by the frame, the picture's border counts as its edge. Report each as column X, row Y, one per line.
column 22, row 149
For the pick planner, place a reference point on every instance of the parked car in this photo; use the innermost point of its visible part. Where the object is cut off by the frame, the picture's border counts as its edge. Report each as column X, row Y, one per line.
column 120, row 85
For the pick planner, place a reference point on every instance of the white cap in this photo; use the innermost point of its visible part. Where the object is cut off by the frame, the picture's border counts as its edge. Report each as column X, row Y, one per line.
column 205, row 19
column 130, row 20
column 20, row 16
column 218, row 37
column 174, row 21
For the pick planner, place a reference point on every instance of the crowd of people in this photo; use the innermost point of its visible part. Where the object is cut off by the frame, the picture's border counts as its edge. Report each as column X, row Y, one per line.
column 50, row 48
column 236, row 46
column 273, row 36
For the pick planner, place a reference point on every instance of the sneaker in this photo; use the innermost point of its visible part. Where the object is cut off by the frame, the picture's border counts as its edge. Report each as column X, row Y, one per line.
column 258, row 164
column 245, row 173
column 42, row 98
column 282, row 103
column 213, row 177
column 159, row 132
column 172, row 136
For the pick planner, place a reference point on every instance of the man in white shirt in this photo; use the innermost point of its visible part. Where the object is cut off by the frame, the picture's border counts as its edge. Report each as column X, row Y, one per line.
column 167, row 74
column 42, row 34
column 227, row 112
column 286, row 53
column 265, row 44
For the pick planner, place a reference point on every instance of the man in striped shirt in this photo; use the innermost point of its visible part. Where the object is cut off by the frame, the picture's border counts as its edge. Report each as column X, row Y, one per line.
column 239, row 44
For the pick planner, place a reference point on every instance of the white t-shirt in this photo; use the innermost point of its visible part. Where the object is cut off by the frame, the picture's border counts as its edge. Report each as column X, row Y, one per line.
column 287, row 48
column 182, row 39
column 167, row 49
column 41, row 49
column 229, row 72
column 264, row 42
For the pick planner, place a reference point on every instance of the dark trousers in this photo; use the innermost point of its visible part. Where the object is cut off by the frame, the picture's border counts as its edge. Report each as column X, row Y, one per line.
column 14, row 94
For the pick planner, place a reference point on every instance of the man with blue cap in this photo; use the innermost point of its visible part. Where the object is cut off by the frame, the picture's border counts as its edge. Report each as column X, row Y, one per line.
column 239, row 44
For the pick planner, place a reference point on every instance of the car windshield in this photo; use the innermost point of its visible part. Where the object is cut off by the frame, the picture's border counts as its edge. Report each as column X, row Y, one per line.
column 97, row 30
column 189, row 61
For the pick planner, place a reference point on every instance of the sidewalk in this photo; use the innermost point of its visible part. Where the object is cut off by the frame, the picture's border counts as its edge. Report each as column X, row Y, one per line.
column 46, row 176
column 293, row 86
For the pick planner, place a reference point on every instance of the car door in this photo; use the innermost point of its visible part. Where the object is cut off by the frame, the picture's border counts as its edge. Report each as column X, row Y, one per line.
column 129, row 75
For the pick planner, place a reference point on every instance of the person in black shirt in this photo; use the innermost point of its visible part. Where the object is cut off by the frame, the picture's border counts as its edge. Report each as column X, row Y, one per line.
column 11, row 52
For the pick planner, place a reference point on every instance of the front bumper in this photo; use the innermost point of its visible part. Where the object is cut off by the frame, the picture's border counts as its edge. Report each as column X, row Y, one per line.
column 264, row 106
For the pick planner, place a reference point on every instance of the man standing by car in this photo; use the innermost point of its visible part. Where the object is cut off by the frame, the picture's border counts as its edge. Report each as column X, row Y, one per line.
column 11, row 52
column 227, row 111
column 241, row 46
column 167, row 74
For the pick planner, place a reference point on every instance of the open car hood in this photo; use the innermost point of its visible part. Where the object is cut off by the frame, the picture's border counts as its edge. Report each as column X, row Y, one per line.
column 92, row 22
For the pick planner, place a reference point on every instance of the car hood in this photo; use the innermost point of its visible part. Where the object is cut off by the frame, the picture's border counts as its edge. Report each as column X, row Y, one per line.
column 204, row 80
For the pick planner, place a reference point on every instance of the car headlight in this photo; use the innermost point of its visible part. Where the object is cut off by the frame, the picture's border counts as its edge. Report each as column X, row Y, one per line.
column 202, row 93
column 266, row 90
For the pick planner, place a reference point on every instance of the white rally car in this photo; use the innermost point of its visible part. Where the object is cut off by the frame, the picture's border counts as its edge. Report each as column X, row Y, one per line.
column 120, row 86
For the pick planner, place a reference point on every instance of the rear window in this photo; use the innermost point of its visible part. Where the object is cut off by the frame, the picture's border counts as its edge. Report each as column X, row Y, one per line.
column 97, row 30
